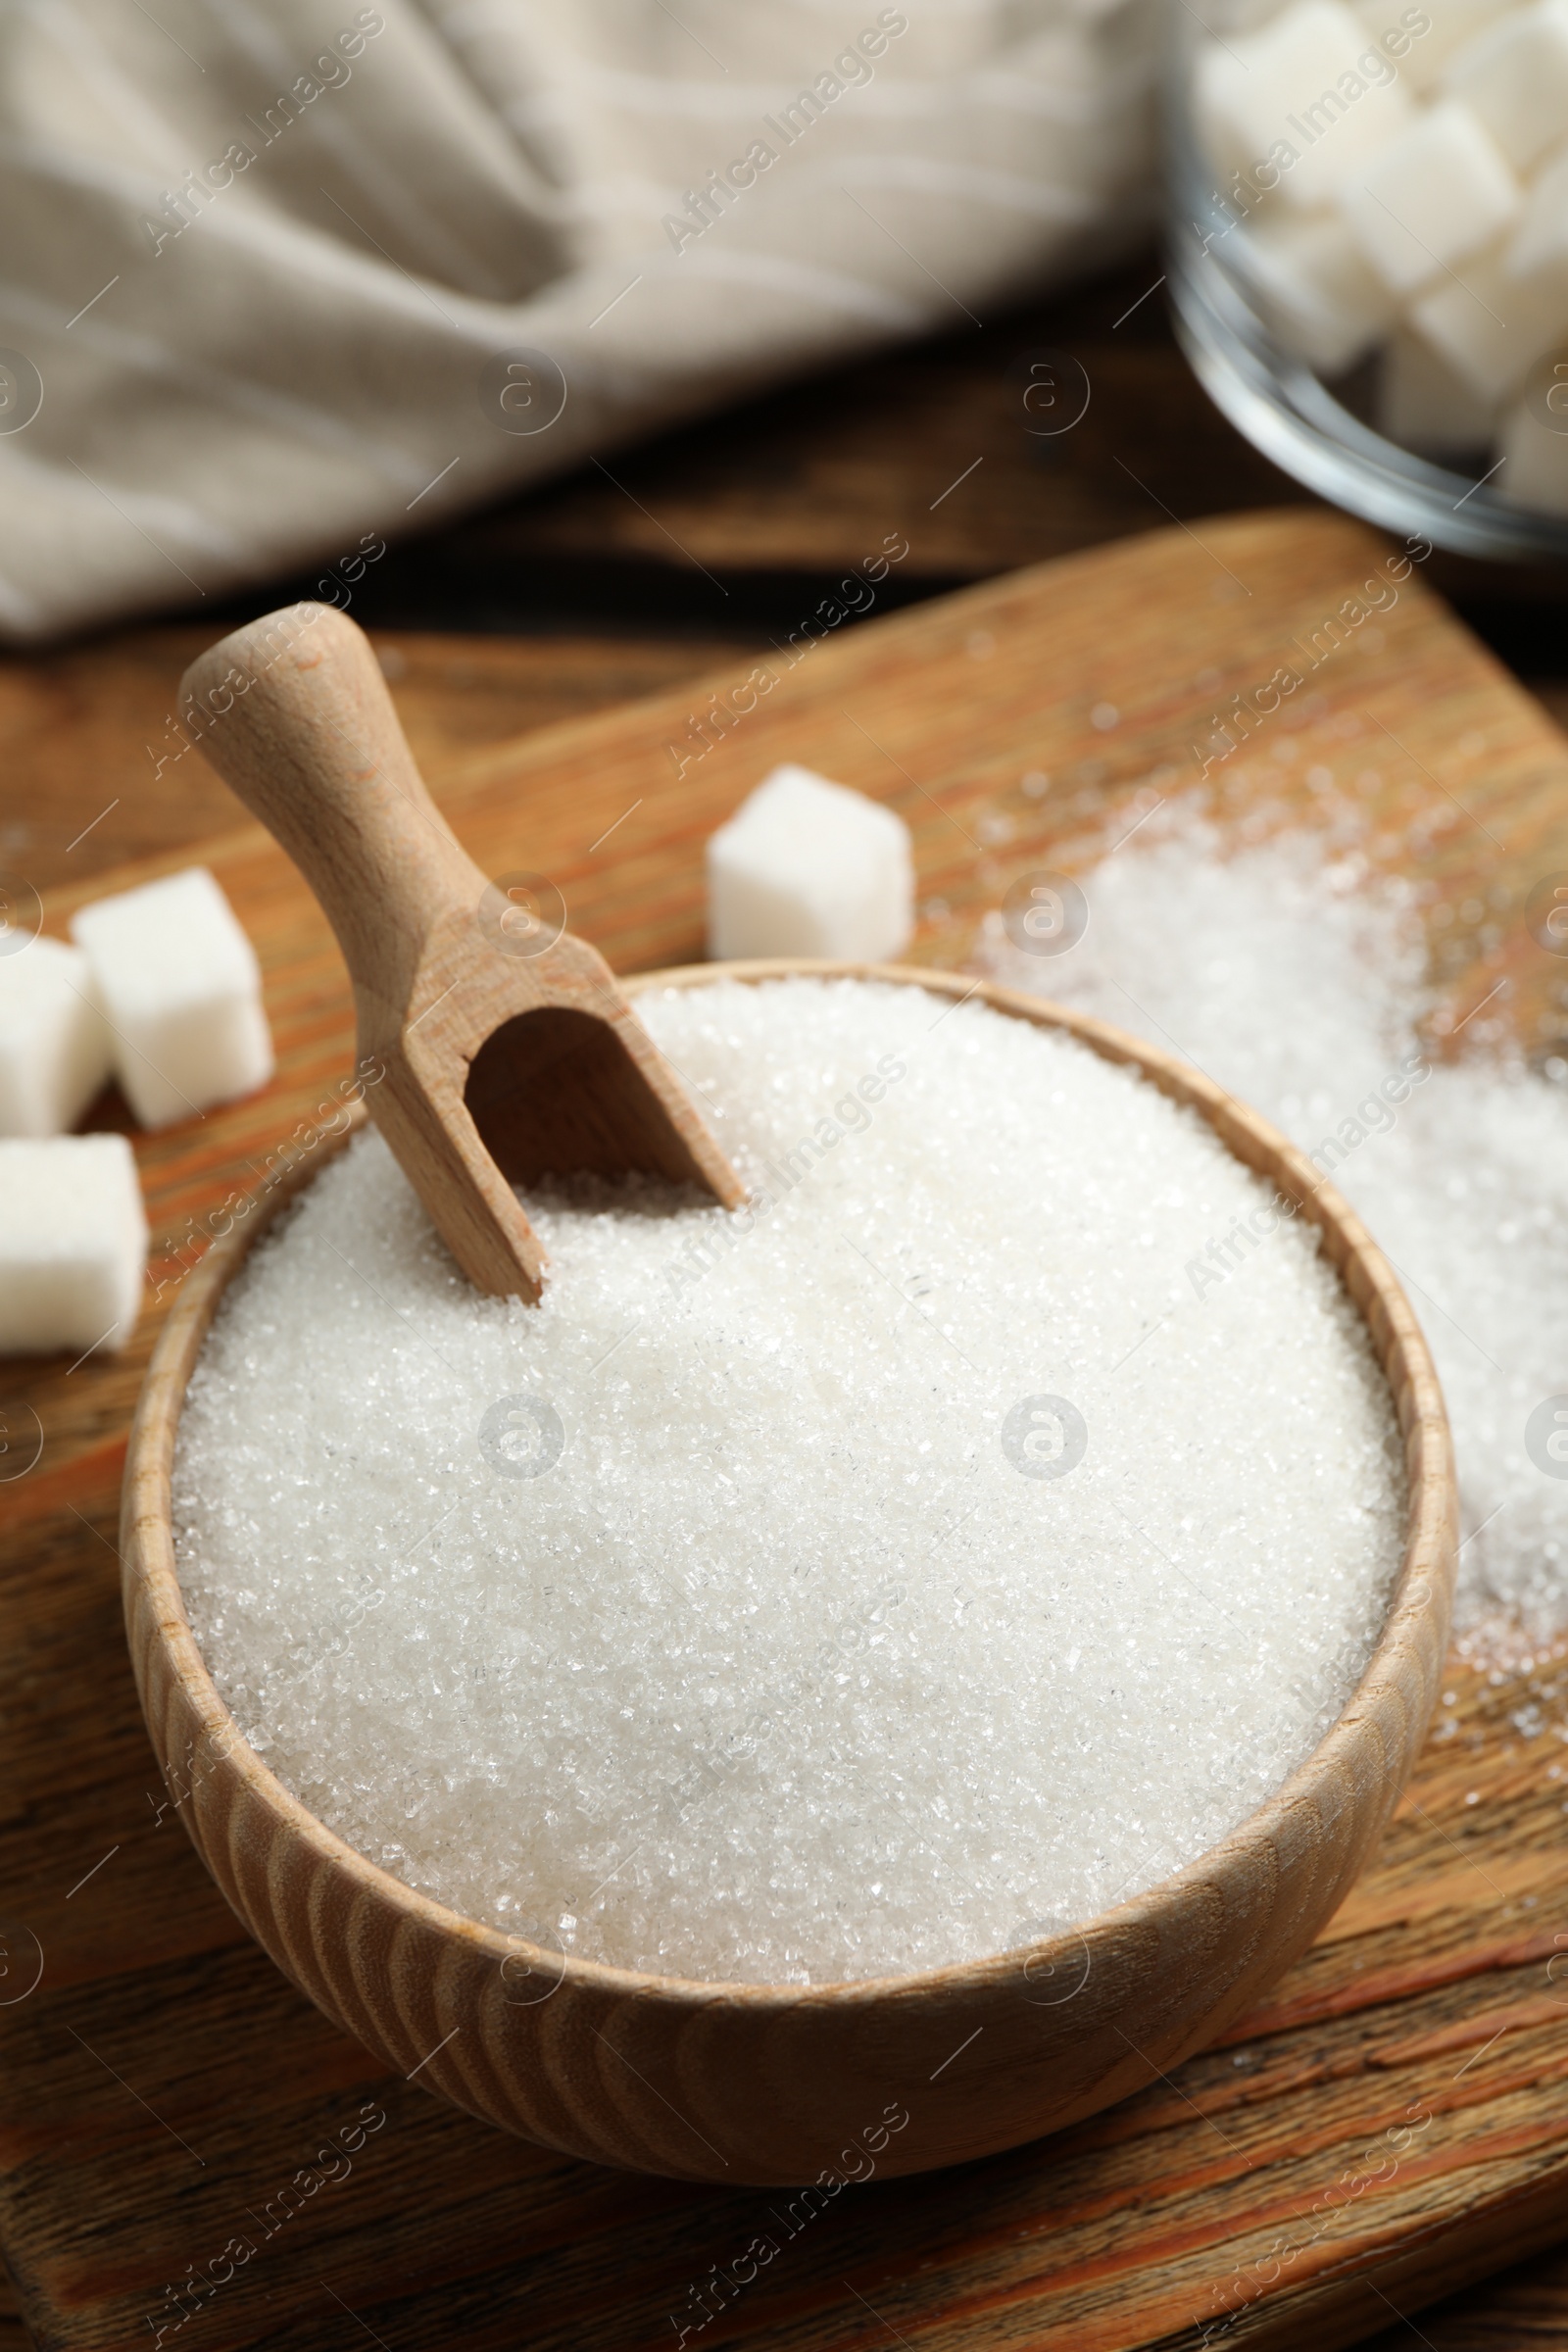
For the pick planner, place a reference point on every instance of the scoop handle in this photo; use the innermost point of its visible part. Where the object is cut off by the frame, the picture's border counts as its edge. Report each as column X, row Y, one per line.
column 294, row 714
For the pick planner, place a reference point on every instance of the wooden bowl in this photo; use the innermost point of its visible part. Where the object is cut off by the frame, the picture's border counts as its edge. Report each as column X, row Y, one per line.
column 780, row 2083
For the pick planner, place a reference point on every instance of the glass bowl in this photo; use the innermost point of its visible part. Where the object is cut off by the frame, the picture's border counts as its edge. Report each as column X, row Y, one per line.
column 1316, row 426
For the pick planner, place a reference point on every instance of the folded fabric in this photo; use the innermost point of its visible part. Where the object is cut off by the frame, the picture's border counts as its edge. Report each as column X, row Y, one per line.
column 287, row 279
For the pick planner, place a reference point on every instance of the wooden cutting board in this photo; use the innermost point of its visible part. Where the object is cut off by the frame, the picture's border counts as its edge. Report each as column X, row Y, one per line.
column 170, row 2109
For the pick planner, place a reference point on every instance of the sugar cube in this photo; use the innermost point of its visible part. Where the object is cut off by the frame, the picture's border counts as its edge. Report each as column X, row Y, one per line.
column 73, row 1243
column 1534, row 470
column 1439, row 191
column 1423, row 405
column 806, row 868
column 1323, row 301
column 1314, row 98
column 1234, row 15
column 1450, row 23
column 1540, row 248
column 181, row 990
column 1515, row 77
column 53, row 1040
column 1492, row 327
column 1219, row 93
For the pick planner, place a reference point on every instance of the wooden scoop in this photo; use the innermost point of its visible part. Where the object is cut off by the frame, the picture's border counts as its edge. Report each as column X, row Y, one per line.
column 509, row 1050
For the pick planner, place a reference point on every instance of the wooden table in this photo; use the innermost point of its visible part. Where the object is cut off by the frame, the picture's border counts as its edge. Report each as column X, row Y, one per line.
column 721, row 538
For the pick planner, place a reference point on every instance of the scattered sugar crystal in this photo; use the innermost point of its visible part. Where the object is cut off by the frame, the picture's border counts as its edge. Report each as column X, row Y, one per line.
column 183, row 991
column 806, row 868
column 1301, row 993
column 53, row 1040
column 73, row 1243
column 838, row 1588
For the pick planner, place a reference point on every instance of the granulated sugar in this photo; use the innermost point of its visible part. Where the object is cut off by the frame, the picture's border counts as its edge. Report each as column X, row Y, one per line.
column 853, row 1588
column 1297, row 983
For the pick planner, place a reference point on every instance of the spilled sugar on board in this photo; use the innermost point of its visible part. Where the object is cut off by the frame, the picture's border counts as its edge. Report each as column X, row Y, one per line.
column 1302, row 987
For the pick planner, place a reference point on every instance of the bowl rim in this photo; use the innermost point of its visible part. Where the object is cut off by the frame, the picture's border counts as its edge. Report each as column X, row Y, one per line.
column 1421, row 1593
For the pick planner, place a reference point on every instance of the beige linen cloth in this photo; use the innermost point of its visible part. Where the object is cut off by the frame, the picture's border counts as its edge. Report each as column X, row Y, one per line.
column 285, row 278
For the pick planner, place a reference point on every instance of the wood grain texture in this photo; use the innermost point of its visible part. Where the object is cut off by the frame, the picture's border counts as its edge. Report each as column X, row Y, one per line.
column 14, row 2336
column 807, row 477
column 1522, row 2310
column 1424, row 1994
column 82, row 728
column 744, row 2082
column 753, row 514
column 502, row 1047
